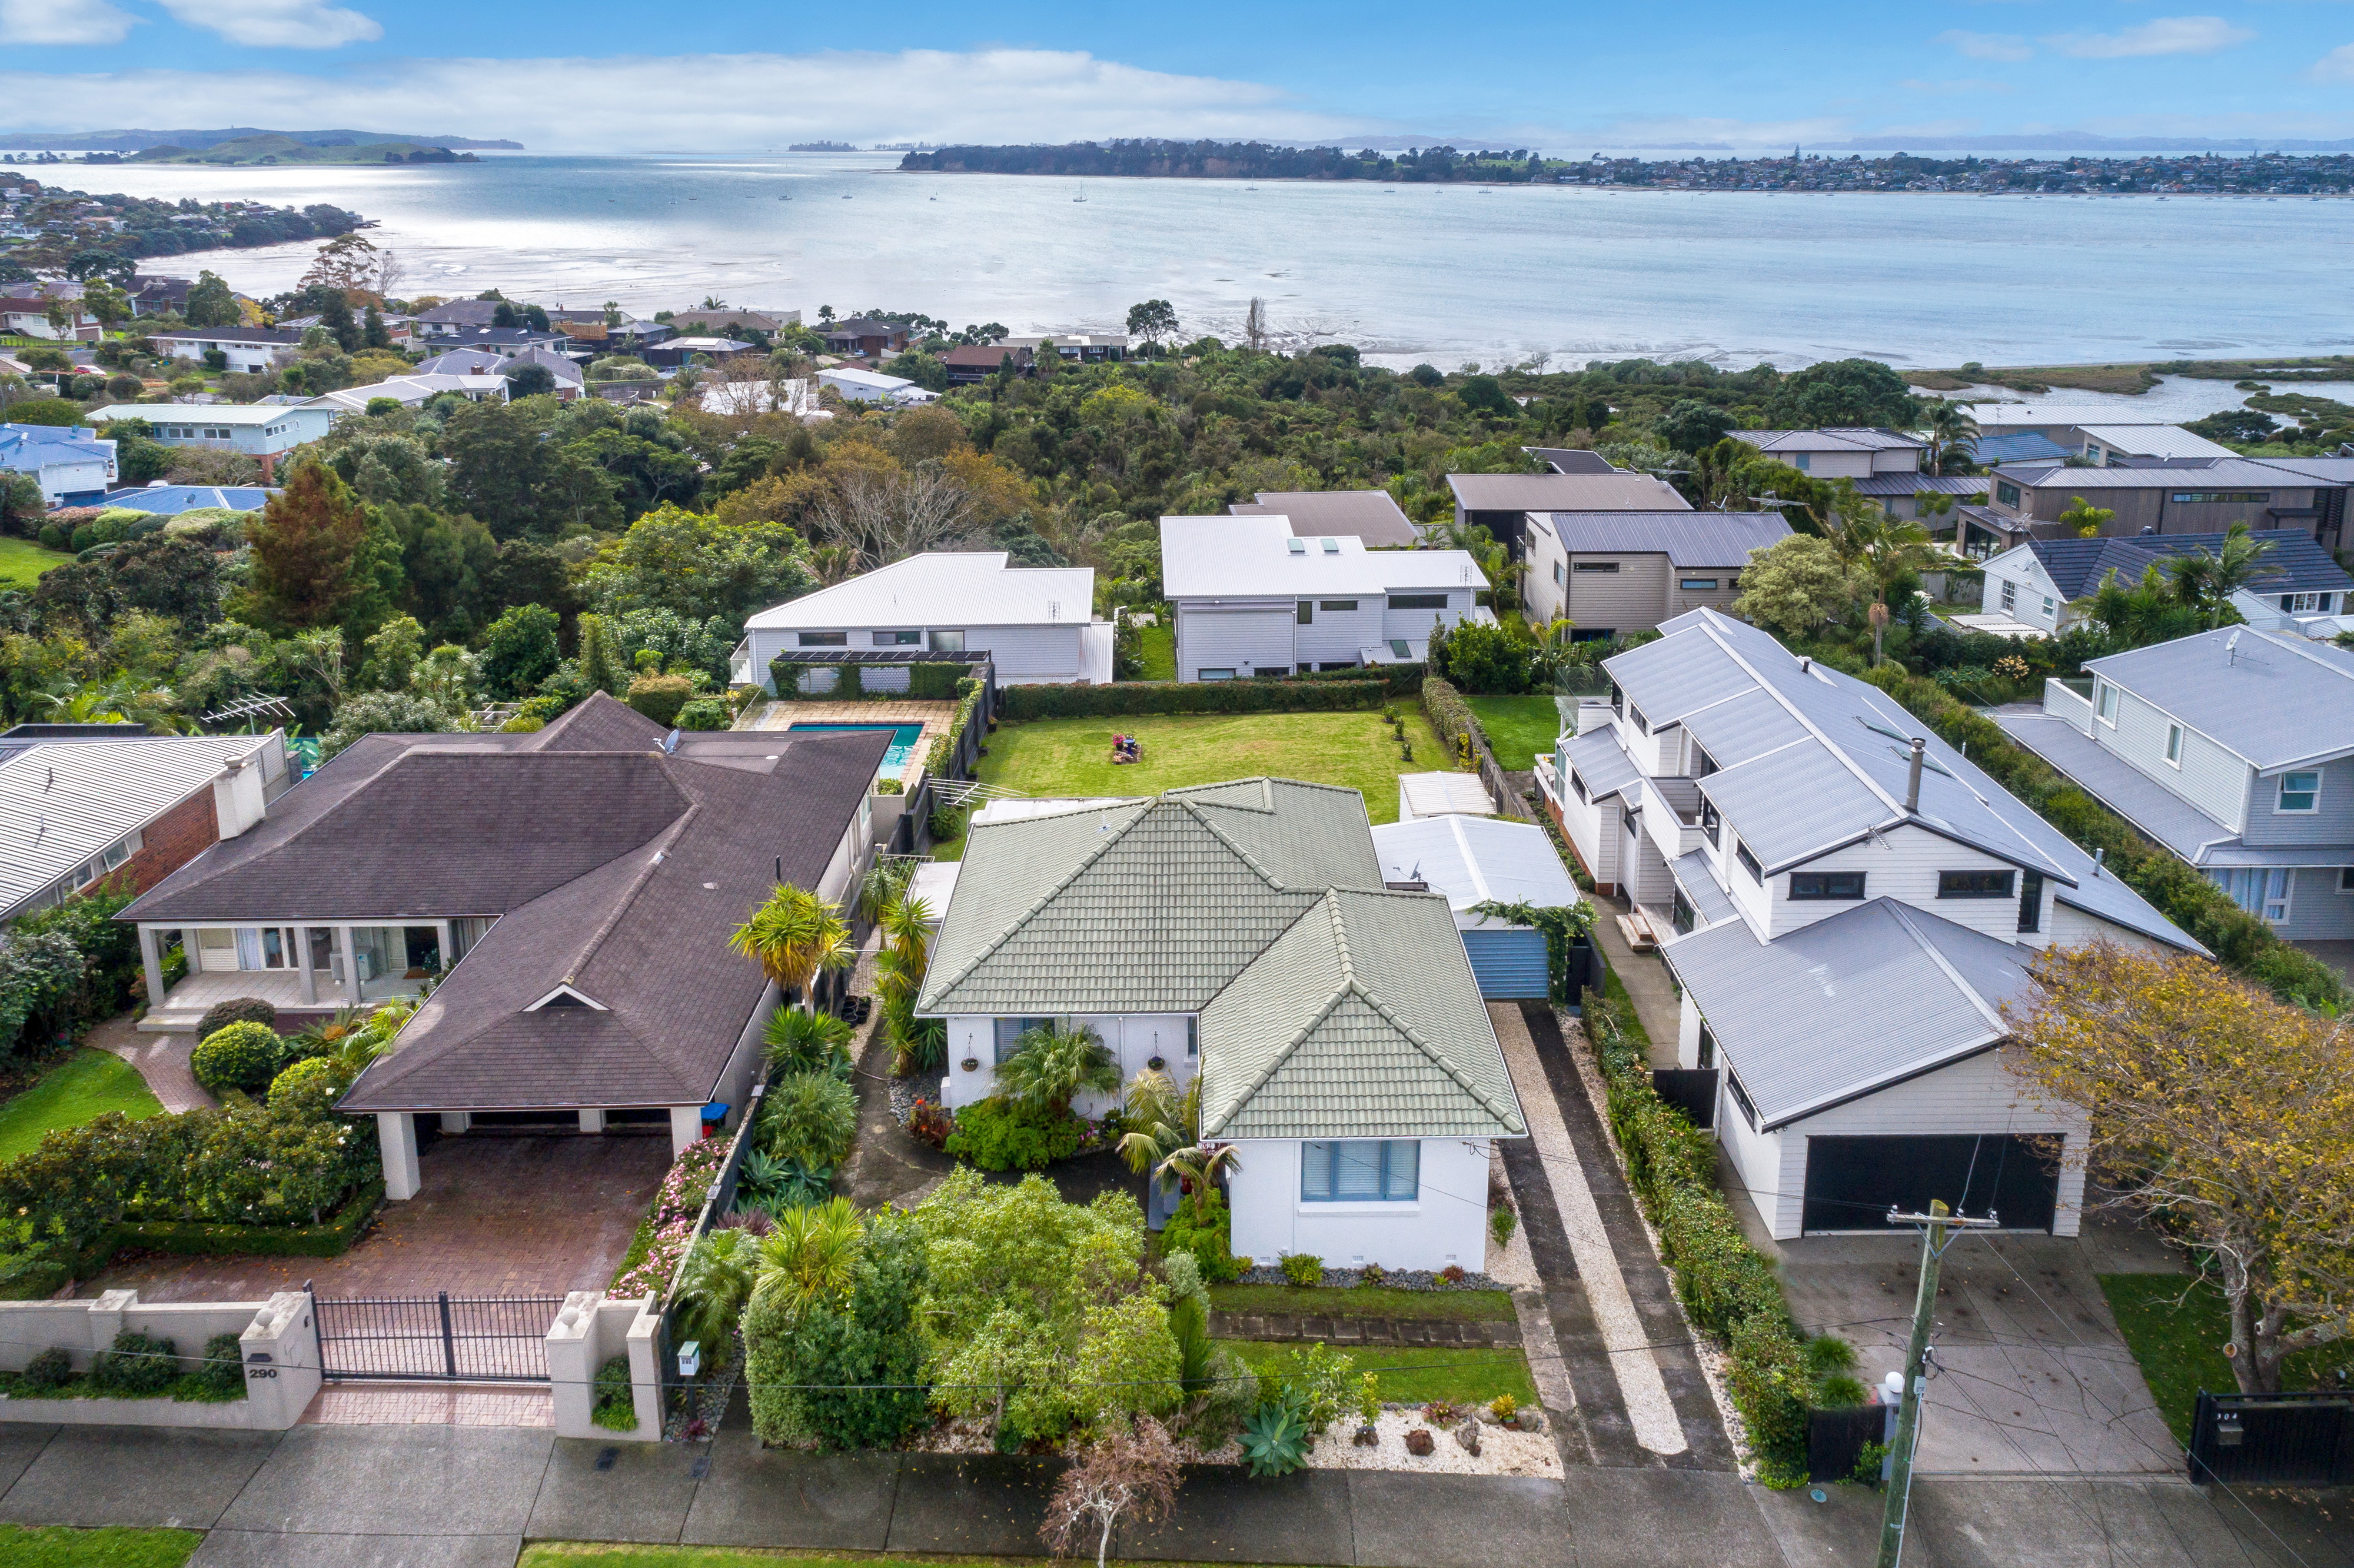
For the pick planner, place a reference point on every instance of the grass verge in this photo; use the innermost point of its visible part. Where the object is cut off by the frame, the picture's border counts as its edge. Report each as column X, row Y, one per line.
column 1367, row 1301
column 1517, row 727
column 1073, row 757
column 1410, row 1374
column 84, row 1086
column 2177, row 1327
column 58, row 1546
column 21, row 562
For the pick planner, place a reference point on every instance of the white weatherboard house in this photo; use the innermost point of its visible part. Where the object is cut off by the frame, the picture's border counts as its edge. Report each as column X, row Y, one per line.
column 2234, row 749
column 1034, row 623
column 264, row 431
column 1253, row 598
column 1240, row 931
column 1852, row 902
column 2046, row 586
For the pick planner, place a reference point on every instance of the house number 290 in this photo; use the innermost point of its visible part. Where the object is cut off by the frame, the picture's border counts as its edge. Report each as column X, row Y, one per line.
column 261, row 1371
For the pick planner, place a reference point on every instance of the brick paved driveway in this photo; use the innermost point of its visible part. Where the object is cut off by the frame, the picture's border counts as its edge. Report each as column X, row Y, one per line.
column 496, row 1216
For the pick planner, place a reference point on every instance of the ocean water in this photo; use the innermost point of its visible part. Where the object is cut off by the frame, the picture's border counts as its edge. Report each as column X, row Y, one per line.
column 1450, row 274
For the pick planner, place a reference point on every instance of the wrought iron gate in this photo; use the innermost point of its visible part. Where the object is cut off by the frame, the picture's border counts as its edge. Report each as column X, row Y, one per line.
column 439, row 1338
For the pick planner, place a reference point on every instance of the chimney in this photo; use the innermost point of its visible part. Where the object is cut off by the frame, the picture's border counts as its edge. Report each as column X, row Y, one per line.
column 1913, row 780
column 237, row 798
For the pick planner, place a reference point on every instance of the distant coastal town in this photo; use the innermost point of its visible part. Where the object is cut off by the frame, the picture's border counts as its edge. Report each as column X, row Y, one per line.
column 2242, row 173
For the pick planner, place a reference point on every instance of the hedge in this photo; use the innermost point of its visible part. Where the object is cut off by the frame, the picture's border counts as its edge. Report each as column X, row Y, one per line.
column 197, row 1238
column 1016, row 704
column 944, row 747
column 1727, row 1286
column 2241, row 942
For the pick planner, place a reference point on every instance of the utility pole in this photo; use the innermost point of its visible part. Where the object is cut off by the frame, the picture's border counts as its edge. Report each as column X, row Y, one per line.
column 1936, row 1223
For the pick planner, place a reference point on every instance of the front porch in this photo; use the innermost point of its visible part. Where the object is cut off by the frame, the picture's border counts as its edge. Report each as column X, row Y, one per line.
column 295, row 969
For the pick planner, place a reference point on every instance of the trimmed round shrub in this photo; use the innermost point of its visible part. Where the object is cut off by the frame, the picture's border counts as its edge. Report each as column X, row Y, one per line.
column 50, row 1369
column 659, row 697
column 236, row 1010
column 136, row 1367
column 239, row 1056
column 312, row 1084
column 705, row 713
column 53, row 536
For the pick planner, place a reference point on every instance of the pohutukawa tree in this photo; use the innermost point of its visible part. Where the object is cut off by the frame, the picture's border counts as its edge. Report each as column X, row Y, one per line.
column 2227, row 1113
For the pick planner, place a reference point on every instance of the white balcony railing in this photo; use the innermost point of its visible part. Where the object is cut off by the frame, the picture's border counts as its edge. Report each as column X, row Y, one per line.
column 2064, row 701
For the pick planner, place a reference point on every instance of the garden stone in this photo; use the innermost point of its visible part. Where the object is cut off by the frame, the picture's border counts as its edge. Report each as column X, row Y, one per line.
column 1527, row 1420
column 1468, row 1435
column 1420, row 1442
column 1366, row 1438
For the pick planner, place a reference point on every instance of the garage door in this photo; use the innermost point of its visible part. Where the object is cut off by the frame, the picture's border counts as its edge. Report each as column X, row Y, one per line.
column 1852, row 1182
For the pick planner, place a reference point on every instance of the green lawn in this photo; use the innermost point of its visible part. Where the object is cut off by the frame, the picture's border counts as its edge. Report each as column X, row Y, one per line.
column 1073, row 757
column 1160, row 652
column 82, row 1088
column 1410, row 1374
column 1518, row 727
column 56, row 1546
column 21, row 562
column 1367, row 1301
column 2179, row 1340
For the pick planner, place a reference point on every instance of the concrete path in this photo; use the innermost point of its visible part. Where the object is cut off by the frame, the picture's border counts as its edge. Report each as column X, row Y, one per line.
column 1645, row 976
column 446, row 1497
column 162, row 1060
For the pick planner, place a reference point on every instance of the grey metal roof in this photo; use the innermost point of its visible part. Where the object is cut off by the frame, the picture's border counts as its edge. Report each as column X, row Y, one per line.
column 2118, row 785
column 1372, row 516
column 1676, row 676
column 2221, row 473
column 2275, row 700
column 1471, row 860
column 1793, row 804
column 1601, row 762
column 1573, row 460
column 2294, row 564
column 1715, row 539
column 1834, row 1010
column 1751, row 725
column 1709, row 901
column 63, row 799
column 1613, row 491
column 1840, row 438
column 1913, row 484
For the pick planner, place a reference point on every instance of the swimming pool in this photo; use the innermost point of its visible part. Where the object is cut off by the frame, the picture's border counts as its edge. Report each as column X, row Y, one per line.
column 903, row 740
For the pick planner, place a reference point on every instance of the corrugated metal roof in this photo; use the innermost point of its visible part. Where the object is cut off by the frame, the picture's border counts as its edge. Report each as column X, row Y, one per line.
column 62, row 801
column 1601, row 762
column 2154, row 441
column 944, row 588
column 1742, row 726
column 1564, row 493
column 1235, row 556
column 1709, row 901
column 2118, row 785
column 1471, row 860
column 2224, row 473
column 1722, row 539
column 1678, row 675
column 1839, row 439
column 2275, row 700
column 1372, row 516
column 1434, row 794
column 1789, row 804
column 1868, row 997
column 1935, row 484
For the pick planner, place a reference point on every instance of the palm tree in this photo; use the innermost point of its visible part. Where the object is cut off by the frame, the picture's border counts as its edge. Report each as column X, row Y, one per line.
column 795, row 936
column 2206, row 580
column 1952, row 428
column 808, row 1253
column 1884, row 549
column 713, row 1288
column 1053, row 1064
column 121, row 699
column 883, row 882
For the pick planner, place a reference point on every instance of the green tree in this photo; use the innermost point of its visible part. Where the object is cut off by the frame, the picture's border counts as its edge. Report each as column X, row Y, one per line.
column 309, row 552
column 519, row 649
column 1953, row 433
column 1486, row 395
column 1884, row 549
column 374, row 334
column 211, row 303
column 1154, row 322
column 1052, row 1064
column 794, row 935
column 393, row 656
column 2206, row 579
column 2085, row 518
column 841, row 1363
column 1692, row 425
column 1795, row 585
column 1844, row 392
column 699, row 566
column 530, row 380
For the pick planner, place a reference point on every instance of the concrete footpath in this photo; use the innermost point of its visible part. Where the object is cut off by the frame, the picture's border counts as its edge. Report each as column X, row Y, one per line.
column 437, row 1497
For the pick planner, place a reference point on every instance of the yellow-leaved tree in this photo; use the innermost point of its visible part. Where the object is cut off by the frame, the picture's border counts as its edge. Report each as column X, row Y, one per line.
column 2219, row 1111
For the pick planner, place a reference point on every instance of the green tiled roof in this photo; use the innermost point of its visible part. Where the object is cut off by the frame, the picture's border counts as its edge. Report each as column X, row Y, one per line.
column 1329, row 1007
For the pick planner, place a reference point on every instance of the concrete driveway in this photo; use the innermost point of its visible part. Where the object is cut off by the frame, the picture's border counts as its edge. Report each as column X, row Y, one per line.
column 2033, row 1376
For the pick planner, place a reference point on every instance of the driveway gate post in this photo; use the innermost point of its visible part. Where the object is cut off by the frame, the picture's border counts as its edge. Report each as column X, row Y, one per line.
column 448, row 1340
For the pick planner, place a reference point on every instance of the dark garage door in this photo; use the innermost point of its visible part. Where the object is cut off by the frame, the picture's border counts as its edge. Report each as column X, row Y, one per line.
column 1852, row 1182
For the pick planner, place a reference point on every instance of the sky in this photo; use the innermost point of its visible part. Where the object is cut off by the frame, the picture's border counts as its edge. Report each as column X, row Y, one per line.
column 606, row 76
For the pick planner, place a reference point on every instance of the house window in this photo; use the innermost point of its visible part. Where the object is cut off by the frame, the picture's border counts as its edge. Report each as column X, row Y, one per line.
column 2346, row 879
column 1740, row 1098
column 1710, row 822
column 2009, row 597
column 1748, row 862
column 2174, row 744
column 2048, row 607
column 948, row 642
column 1577, row 784
column 1360, row 1171
column 2006, row 494
column 1703, row 763
column 1617, row 700
column 2305, row 603
column 1802, row 461
column 1697, row 585
column 1556, row 574
column 1307, row 612
column 2299, row 792
column 1336, row 604
column 898, row 639
column 1598, row 566
column 1641, row 723
column 1213, row 674
column 2108, row 702
column 2222, row 496
column 825, row 638
column 2030, row 901
column 1974, row 884
column 1825, row 887
column 1010, row 1031
column 1418, row 601
column 1707, row 1046
column 1192, row 1038
column 1680, row 911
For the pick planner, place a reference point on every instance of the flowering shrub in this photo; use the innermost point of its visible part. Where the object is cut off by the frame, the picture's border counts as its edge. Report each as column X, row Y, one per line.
column 668, row 1229
column 930, row 1122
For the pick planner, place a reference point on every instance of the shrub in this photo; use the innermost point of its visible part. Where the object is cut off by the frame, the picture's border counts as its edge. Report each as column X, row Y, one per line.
column 1504, row 1407
column 1501, row 1221
column 1026, row 701
column 1323, row 1385
column 236, row 1010
column 935, row 683
column 1276, row 1439
column 705, row 714
column 1372, row 1275
column 1302, row 1268
column 221, row 1374
column 998, row 1135
column 929, row 1122
column 616, row 1406
column 50, row 1369
column 1200, row 1226
column 237, row 1056
column 809, row 1118
column 845, row 1367
column 136, row 1367
column 313, row 1083
column 661, row 697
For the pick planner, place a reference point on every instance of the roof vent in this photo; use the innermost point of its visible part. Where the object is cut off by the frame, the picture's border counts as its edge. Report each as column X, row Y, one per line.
column 1299, row 547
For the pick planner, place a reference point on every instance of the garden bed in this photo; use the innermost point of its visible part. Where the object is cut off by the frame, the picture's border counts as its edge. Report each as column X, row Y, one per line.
column 1465, row 1303
column 1503, row 1451
column 1341, row 1284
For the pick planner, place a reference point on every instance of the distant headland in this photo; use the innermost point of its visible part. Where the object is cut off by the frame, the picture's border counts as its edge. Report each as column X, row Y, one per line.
column 199, row 141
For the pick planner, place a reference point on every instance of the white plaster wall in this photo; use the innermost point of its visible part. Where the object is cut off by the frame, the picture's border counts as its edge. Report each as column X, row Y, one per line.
column 1688, row 1033
column 1446, row 1222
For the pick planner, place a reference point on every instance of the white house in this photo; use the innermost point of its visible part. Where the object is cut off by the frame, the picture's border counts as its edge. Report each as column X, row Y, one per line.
column 874, row 387
column 264, row 431
column 1852, row 904
column 2045, row 585
column 1253, row 598
column 72, row 466
column 2233, row 749
column 1035, row 623
column 414, row 391
column 245, row 348
column 30, row 318
column 1242, row 932
column 1840, row 453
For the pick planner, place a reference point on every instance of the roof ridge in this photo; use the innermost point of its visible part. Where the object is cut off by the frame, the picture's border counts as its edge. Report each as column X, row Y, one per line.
column 1195, row 810
column 1510, row 1118
column 663, row 842
column 1921, row 940
column 1102, row 847
column 1284, row 1053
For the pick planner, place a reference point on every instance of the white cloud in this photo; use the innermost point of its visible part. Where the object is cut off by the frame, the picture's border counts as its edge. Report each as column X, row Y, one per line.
column 735, row 103
column 2337, row 65
column 2165, row 36
column 278, row 23
column 61, row 22
column 1986, row 45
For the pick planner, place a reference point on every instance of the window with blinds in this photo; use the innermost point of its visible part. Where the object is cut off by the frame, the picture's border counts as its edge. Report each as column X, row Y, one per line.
column 1360, row 1171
